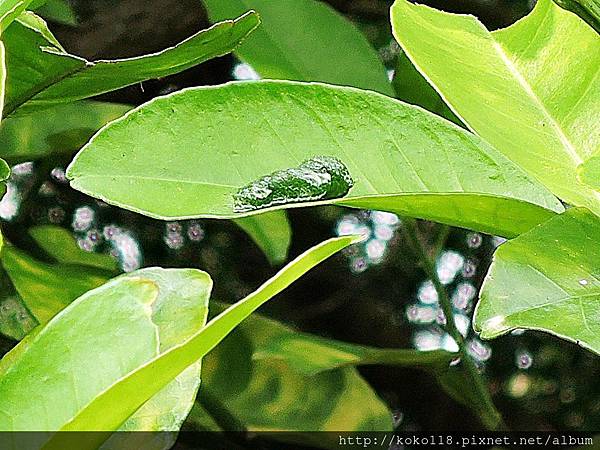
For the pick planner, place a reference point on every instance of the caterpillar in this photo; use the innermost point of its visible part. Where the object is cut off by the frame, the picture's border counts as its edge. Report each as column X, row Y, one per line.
column 318, row 178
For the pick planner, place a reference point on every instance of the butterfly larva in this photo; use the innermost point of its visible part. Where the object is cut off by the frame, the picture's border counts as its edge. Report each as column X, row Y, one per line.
column 318, row 178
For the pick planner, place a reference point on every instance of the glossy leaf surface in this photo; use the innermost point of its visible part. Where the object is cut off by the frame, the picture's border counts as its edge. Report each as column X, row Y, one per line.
column 547, row 279
column 508, row 88
column 140, row 308
column 402, row 159
column 305, row 40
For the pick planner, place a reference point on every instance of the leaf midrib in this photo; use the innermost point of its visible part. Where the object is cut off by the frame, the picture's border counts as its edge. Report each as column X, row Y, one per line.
column 510, row 64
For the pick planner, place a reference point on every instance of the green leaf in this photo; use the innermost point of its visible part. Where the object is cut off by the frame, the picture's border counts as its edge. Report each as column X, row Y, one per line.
column 15, row 319
column 396, row 154
column 309, row 354
column 271, row 232
column 186, row 306
column 116, row 368
column 4, row 174
column 507, row 86
column 4, row 170
column 411, row 87
column 268, row 388
column 60, row 128
column 61, row 245
column 45, row 288
column 10, row 10
column 589, row 172
column 271, row 377
column 588, row 10
column 98, row 339
column 40, row 73
column 2, row 77
column 59, row 11
column 303, row 40
column 547, row 279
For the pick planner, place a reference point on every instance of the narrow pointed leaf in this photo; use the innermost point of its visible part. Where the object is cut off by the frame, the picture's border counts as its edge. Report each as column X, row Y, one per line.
column 402, row 159
column 40, row 73
column 302, row 40
column 508, row 87
column 547, row 279
column 272, row 377
column 310, row 354
column 138, row 385
column 267, row 386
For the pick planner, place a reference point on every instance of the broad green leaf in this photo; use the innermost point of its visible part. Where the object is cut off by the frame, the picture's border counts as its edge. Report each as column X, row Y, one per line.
column 60, row 244
column 508, row 87
column 98, row 339
column 15, row 319
column 45, row 288
column 10, row 10
column 588, row 10
column 4, row 170
column 589, row 172
column 115, row 368
column 40, row 73
column 305, row 40
column 61, row 128
column 403, row 159
column 187, row 307
column 271, row 232
column 547, row 279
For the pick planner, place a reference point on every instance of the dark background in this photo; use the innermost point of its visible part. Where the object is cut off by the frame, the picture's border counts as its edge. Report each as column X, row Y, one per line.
column 538, row 382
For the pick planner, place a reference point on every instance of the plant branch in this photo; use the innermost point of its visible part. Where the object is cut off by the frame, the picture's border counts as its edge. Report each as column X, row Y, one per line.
column 490, row 416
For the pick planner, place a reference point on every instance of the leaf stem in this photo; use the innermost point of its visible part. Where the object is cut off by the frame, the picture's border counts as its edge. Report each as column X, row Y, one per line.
column 489, row 415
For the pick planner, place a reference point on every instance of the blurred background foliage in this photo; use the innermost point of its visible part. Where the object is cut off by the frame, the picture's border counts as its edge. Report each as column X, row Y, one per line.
column 374, row 294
